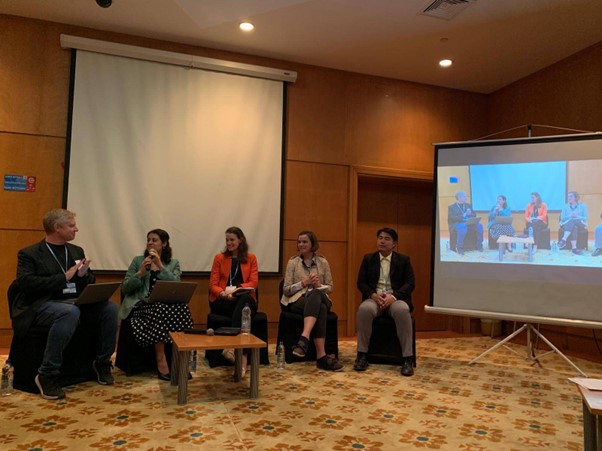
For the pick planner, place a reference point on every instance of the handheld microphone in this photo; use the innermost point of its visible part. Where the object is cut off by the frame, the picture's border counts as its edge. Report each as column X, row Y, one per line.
column 151, row 255
column 199, row 331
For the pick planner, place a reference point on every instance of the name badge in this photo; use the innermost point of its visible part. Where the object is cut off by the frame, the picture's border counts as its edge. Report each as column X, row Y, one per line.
column 70, row 289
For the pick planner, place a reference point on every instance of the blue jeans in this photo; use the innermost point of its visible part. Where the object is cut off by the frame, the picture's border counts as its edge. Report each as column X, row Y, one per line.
column 462, row 229
column 63, row 319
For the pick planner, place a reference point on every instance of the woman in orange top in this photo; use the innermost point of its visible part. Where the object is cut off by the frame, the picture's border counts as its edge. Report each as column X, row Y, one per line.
column 233, row 268
column 536, row 216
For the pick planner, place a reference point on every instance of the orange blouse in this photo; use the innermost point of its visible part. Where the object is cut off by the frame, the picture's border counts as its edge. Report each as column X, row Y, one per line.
column 220, row 271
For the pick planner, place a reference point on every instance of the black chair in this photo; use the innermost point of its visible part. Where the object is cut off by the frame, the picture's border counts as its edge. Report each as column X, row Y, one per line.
column 582, row 239
column 27, row 352
column 542, row 240
column 384, row 345
column 259, row 328
column 132, row 358
column 470, row 240
column 290, row 326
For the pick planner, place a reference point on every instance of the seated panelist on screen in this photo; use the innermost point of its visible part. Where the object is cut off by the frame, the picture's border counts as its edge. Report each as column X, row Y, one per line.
column 536, row 217
column 458, row 214
column 152, row 322
column 573, row 219
column 497, row 229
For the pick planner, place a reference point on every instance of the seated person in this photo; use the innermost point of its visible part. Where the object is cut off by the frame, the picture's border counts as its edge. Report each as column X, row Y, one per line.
column 536, row 217
column 456, row 219
column 152, row 322
column 573, row 219
column 233, row 268
column 386, row 280
column 597, row 240
column 496, row 230
column 306, row 286
column 51, row 271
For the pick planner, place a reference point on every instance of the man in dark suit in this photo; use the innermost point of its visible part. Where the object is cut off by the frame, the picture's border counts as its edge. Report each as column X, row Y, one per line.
column 386, row 280
column 49, row 272
column 457, row 214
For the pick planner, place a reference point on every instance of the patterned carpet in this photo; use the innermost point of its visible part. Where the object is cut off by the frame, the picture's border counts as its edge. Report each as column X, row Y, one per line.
column 502, row 402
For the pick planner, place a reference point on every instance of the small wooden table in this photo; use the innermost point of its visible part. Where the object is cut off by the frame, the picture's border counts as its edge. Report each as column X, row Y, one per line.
column 184, row 343
column 592, row 423
column 504, row 240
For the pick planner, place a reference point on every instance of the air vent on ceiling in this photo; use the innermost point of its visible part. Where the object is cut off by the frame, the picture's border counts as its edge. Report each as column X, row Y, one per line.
column 446, row 9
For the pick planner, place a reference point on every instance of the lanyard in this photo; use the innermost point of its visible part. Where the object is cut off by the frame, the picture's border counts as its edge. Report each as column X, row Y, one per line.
column 57, row 260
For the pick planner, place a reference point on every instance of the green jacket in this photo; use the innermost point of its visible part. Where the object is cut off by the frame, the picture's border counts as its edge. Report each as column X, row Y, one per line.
column 134, row 288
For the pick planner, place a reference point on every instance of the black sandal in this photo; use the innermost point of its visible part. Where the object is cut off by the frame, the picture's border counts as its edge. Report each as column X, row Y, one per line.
column 300, row 349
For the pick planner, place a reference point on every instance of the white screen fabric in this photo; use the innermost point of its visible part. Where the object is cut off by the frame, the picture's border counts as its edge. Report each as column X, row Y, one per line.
column 189, row 151
column 556, row 284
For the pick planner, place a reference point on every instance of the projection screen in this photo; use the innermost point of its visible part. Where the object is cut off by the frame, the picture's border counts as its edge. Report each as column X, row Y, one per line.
column 559, row 285
column 190, row 151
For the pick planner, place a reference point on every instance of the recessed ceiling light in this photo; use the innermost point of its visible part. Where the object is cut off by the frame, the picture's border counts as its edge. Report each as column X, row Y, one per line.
column 246, row 26
column 445, row 63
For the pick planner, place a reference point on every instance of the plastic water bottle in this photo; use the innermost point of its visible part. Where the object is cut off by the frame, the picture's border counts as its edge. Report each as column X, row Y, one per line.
column 280, row 360
column 245, row 324
column 6, row 385
column 192, row 366
column 554, row 246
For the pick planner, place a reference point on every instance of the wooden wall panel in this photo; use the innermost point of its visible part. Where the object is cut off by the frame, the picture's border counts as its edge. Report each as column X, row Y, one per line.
column 567, row 94
column 316, row 113
column 316, row 199
column 394, row 124
column 34, row 78
column 38, row 156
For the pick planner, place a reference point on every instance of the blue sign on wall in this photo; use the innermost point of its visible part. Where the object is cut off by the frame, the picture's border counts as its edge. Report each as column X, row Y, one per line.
column 22, row 183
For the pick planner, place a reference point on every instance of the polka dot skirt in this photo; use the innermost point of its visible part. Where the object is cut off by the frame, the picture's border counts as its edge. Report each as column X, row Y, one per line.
column 152, row 323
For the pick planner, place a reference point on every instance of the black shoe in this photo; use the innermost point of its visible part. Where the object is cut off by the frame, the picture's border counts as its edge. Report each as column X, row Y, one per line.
column 460, row 251
column 49, row 387
column 361, row 363
column 300, row 349
column 328, row 364
column 561, row 244
column 597, row 251
column 103, row 372
column 407, row 367
column 163, row 377
column 577, row 251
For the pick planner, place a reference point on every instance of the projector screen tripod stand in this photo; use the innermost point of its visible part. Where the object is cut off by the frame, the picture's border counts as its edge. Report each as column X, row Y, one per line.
column 528, row 327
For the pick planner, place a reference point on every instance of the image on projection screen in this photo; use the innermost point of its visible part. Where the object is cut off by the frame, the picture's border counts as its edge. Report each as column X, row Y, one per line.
column 516, row 227
column 189, row 151
column 519, row 213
